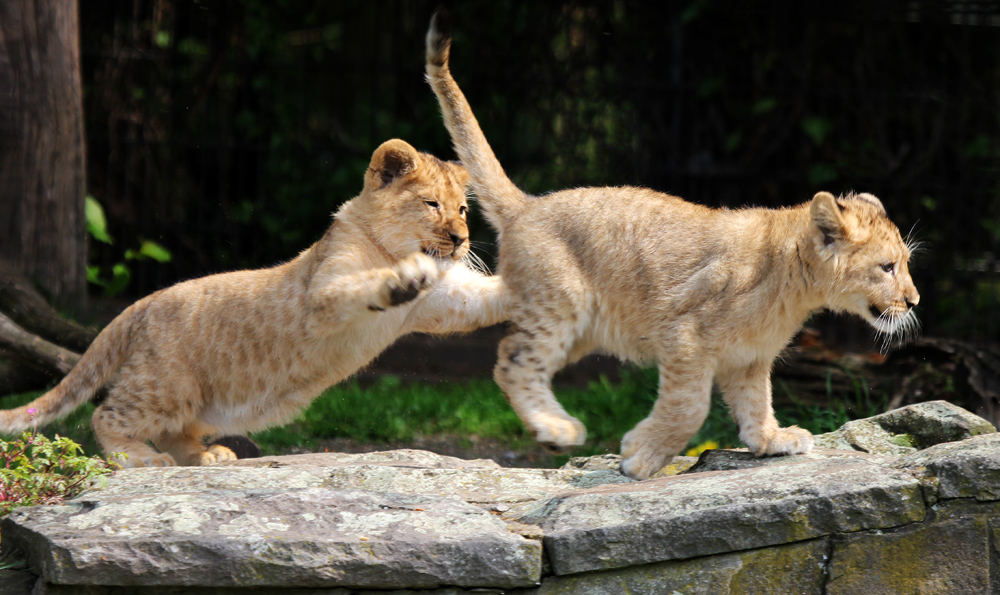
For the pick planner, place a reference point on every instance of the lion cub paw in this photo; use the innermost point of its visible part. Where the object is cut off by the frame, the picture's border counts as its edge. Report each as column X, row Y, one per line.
column 215, row 454
column 792, row 440
column 644, row 463
column 136, row 460
column 558, row 434
column 643, row 454
column 410, row 276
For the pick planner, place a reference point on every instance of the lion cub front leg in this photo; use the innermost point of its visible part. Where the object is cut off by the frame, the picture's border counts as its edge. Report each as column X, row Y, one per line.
column 685, row 395
column 747, row 391
column 406, row 280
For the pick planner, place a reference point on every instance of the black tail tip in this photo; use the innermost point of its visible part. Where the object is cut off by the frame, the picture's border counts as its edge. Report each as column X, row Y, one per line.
column 439, row 36
column 441, row 22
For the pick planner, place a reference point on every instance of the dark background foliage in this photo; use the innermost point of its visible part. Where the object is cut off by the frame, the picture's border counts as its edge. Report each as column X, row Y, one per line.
column 228, row 131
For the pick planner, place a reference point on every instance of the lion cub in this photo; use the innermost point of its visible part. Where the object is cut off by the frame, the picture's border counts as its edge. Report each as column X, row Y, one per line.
column 711, row 295
column 246, row 350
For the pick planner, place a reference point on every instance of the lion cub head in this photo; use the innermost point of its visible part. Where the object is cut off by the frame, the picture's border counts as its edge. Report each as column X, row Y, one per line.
column 865, row 261
column 417, row 202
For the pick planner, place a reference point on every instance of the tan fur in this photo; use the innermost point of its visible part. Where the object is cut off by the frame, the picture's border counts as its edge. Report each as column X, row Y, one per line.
column 246, row 350
column 710, row 295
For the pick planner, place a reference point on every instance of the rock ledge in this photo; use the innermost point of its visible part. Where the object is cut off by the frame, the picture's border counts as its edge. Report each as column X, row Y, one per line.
column 855, row 517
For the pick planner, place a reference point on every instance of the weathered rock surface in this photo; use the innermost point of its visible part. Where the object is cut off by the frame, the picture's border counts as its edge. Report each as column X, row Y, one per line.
column 698, row 514
column 875, row 516
column 907, row 429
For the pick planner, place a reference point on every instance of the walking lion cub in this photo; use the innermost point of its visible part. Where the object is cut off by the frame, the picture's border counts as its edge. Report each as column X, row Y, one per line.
column 243, row 351
column 708, row 294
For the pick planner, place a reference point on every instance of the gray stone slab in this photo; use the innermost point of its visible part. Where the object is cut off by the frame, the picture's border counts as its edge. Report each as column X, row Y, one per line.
column 966, row 469
column 307, row 537
column 483, row 485
column 700, row 514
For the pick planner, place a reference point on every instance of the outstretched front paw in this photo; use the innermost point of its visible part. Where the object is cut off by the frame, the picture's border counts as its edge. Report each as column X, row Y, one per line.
column 410, row 276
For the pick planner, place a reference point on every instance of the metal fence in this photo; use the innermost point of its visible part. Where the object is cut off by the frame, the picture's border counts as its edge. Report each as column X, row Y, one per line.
column 229, row 131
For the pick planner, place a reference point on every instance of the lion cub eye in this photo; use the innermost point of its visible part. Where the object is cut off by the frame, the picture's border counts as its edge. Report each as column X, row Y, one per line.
column 889, row 267
column 432, row 204
column 462, row 210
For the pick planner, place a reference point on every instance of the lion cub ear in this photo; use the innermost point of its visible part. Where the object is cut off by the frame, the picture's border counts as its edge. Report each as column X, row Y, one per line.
column 827, row 215
column 460, row 171
column 394, row 159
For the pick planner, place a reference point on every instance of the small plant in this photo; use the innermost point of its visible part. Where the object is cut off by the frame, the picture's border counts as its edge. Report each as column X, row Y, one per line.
column 97, row 227
column 38, row 470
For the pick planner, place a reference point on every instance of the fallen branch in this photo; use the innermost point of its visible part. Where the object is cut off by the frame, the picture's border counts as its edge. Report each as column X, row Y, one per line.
column 20, row 345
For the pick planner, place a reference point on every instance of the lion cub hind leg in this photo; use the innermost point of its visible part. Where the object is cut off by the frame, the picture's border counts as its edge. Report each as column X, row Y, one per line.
column 527, row 361
column 187, row 447
column 685, row 395
column 111, row 430
column 747, row 392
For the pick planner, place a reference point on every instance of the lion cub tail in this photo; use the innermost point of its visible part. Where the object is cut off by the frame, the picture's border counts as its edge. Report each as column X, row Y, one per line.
column 101, row 360
column 500, row 198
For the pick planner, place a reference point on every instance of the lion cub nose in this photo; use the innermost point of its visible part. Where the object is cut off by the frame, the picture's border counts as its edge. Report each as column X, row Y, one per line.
column 458, row 240
column 912, row 300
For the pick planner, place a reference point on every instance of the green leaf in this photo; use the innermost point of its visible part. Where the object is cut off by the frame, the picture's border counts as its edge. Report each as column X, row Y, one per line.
column 155, row 251
column 97, row 224
column 764, row 105
column 693, row 10
column 120, row 276
column 94, row 276
column 821, row 173
column 981, row 146
column 709, row 87
column 817, row 128
column 162, row 39
column 733, row 140
column 992, row 226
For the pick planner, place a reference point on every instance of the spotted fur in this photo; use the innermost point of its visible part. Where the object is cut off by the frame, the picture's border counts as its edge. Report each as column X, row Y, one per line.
column 710, row 295
column 246, row 350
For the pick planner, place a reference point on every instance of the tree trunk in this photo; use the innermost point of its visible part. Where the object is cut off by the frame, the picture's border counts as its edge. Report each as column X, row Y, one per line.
column 42, row 179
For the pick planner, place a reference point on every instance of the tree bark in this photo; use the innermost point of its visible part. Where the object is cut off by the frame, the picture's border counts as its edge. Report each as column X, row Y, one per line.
column 42, row 176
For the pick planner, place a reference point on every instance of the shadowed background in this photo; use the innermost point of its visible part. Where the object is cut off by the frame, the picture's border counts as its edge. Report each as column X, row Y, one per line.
column 229, row 131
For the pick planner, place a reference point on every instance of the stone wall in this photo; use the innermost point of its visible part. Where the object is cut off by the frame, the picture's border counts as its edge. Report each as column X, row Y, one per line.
column 905, row 502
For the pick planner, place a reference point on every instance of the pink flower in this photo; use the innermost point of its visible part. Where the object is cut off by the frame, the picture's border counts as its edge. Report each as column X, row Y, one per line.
column 32, row 411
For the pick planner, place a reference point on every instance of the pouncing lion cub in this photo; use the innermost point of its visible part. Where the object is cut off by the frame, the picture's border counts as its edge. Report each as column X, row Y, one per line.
column 246, row 350
column 708, row 294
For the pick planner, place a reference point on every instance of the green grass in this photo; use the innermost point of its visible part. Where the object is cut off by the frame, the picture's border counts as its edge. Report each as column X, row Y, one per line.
column 390, row 410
